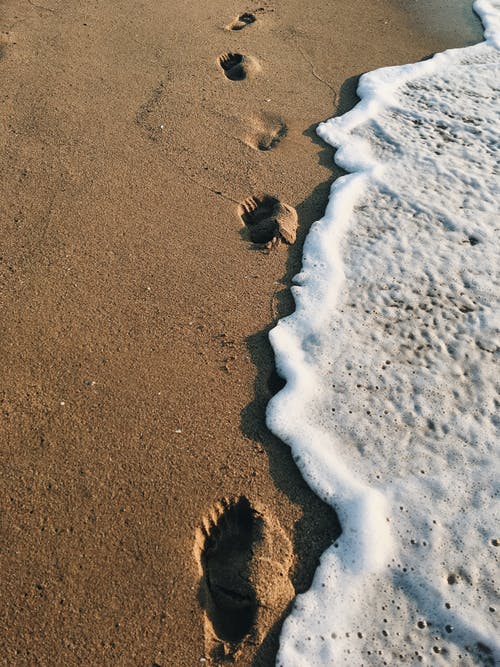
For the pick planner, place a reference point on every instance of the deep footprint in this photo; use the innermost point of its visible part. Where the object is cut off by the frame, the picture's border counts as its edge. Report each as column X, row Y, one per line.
column 242, row 21
column 225, row 558
column 244, row 561
column 268, row 220
column 238, row 67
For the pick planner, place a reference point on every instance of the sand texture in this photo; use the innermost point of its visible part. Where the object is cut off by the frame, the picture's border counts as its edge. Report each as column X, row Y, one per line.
column 137, row 473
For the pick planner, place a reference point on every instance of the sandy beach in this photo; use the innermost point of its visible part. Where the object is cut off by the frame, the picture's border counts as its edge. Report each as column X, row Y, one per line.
column 135, row 311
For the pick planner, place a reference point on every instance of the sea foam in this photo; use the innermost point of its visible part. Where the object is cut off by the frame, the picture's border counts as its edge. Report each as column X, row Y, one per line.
column 391, row 396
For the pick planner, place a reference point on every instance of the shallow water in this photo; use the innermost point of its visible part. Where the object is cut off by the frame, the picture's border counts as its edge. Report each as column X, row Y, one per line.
column 390, row 405
column 446, row 18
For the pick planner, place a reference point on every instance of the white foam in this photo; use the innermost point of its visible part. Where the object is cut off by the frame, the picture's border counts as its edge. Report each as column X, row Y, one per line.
column 391, row 395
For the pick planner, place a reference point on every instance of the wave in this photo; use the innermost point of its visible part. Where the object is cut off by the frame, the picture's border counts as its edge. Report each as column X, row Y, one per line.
column 391, row 396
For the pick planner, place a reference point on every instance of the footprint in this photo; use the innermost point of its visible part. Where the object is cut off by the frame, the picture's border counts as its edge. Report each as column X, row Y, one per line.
column 244, row 560
column 271, row 138
column 6, row 40
column 267, row 132
column 268, row 220
column 149, row 115
column 242, row 21
column 226, row 556
column 237, row 67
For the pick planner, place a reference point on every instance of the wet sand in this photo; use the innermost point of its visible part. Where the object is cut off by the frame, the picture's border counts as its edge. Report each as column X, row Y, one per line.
column 135, row 311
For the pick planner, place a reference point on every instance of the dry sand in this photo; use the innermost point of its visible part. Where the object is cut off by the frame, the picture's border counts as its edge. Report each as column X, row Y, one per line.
column 135, row 311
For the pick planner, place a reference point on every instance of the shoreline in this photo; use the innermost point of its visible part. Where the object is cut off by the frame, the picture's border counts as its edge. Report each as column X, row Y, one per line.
column 137, row 365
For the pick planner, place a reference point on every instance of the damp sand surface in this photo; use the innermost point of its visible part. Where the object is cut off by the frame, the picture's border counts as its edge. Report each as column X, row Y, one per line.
column 135, row 309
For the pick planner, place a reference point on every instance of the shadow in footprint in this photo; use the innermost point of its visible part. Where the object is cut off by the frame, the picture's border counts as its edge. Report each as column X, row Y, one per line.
column 247, row 18
column 244, row 558
column 237, row 67
column 225, row 553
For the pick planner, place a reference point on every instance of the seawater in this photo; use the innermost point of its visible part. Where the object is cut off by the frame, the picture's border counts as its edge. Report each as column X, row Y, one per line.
column 391, row 398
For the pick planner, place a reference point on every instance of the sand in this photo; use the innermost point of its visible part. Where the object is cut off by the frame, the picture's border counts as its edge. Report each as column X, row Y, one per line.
column 135, row 309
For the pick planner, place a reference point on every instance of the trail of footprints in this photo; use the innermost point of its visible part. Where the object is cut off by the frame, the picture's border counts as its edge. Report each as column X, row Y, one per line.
column 243, row 556
column 269, row 221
